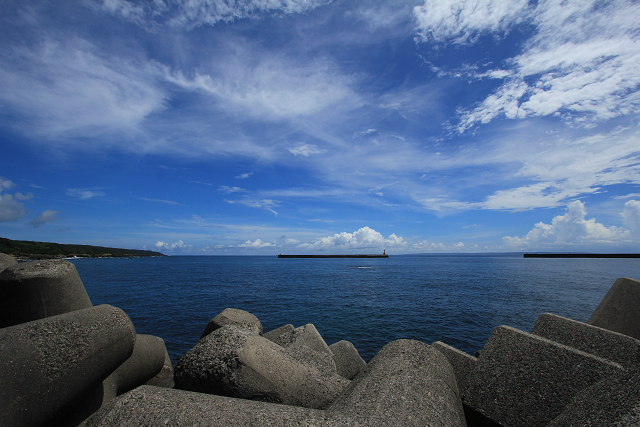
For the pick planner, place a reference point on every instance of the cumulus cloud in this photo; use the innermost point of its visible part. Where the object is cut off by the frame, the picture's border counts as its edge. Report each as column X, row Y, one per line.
column 631, row 216
column 363, row 238
column 256, row 244
column 83, row 194
column 170, row 247
column 43, row 218
column 581, row 62
column 10, row 208
column 244, row 175
column 573, row 228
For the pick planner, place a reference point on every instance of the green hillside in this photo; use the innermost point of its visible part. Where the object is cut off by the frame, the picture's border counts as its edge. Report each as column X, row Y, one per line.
column 43, row 250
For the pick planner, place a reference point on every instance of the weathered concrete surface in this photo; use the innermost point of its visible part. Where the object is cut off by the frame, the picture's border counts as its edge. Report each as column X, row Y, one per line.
column 164, row 378
column 618, row 310
column 600, row 342
column 463, row 364
column 233, row 316
column 47, row 366
column 307, row 336
column 155, row 406
column 609, row 402
column 321, row 361
column 38, row 289
column 408, row 383
column 273, row 335
column 522, row 379
column 145, row 362
column 6, row 261
column 233, row 362
column 347, row 359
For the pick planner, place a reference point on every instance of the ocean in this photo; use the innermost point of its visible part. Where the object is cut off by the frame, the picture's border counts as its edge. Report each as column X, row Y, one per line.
column 457, row 299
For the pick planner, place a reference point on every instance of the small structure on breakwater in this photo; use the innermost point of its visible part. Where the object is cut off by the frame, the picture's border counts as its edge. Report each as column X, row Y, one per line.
column 67, row 363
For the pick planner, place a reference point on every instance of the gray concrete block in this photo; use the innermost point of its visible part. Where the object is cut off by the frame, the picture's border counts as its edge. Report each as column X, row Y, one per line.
column 523, row 379
column 154, row 406
column 233, row 316
column 7, row 261
column 321, row 361
column 463, row 364
column 39, row 289
column 164, row 378
column 48, row 365
column 233, row 362
column 609, row 402
column 274, row 335
column 145, row 362
column 408, row 383
column 347, row 359
column 591, row 339
column 619, row 310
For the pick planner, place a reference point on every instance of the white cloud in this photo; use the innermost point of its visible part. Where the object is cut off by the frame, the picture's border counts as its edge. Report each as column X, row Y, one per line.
column 426, row 246
column 168, row 202
column 361, row 239
column 10, row 208
column 271, row 86
column 83, row 194
column 581, row 63
column 43, row 218
column 244, row 175
column 631, row 216
column 573, row 229
column 194, row 13
column 266, row 204
column 461, row 21
column 256, row 244
column 228, row 190
column 178, row 246
column 69, row 88
column 305, row 150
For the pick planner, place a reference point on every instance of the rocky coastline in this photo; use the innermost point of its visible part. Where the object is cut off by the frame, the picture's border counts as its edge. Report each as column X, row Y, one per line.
column 67, row 363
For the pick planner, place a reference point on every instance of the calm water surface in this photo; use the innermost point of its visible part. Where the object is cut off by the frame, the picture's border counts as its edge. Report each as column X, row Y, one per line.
column 457, row 299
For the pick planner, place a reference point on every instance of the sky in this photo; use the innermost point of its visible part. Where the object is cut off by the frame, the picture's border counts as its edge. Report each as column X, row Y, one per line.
column 259, row 127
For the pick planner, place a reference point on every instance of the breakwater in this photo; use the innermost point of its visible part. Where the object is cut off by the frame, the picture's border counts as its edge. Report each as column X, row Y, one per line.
column 562, row 373
column 565, row 255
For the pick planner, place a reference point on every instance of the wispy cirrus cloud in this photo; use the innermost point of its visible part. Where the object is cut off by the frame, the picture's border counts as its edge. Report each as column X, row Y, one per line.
column 580, row 64
column 194, row 13
column 83, row 194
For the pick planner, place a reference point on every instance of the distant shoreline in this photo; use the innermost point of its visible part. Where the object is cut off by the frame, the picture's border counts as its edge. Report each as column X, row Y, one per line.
column 28, row 250
column 581, row 255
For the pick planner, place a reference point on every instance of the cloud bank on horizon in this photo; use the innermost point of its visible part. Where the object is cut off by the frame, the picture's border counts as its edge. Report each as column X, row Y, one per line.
column 321, row 126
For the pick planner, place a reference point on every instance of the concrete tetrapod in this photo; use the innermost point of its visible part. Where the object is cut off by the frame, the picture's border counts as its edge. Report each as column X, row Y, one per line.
column 233, row 362
column 39, row 289
column 233, row 316
column 407, row 384
column 46, row 366
column 6, row 261
column 618, row 310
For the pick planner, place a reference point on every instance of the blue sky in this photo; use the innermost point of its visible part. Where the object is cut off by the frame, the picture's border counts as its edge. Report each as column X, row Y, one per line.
column 318, row 126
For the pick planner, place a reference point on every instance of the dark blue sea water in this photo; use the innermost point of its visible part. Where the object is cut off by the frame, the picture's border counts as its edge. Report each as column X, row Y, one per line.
column 456, row 299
